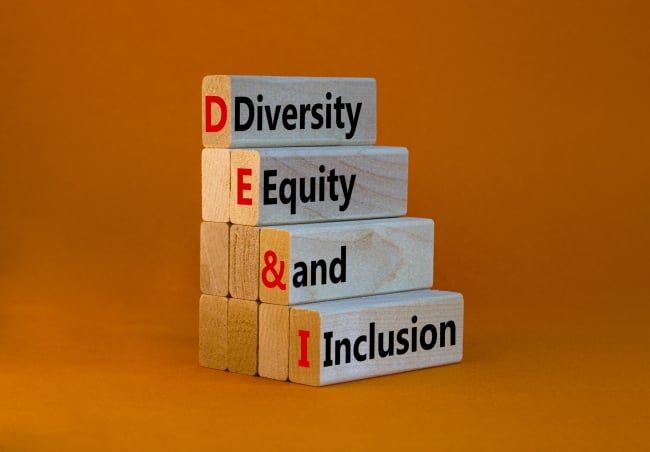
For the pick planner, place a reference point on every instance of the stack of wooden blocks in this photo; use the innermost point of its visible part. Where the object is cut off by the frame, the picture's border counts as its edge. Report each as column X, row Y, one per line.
column 309, row 270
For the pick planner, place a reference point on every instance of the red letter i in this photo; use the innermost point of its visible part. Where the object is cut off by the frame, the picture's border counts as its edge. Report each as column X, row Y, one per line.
column 303, row 361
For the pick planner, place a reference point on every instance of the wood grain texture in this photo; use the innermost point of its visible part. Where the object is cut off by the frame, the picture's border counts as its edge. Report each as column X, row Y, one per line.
column 244, row 262
column 216, row 85
column 315, row 184
column 213, row 337
column 215, row 185
column 273, row 355
column 242, row 336
column 287, row 111
column 379, row 335
column 324, row 261
column 214, row 258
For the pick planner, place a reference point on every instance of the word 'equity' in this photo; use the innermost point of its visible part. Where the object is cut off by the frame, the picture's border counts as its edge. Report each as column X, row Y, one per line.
column 306, row 190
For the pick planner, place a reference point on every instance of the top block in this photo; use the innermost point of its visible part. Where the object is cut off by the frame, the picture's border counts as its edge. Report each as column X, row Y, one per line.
column 243, row 111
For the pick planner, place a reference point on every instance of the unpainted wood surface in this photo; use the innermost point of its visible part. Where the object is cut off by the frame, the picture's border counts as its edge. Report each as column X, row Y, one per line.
column 213, row 336
column 273, row 356
column 242, row 336
column 244, row 262
column 215, row 185
column 214, row 252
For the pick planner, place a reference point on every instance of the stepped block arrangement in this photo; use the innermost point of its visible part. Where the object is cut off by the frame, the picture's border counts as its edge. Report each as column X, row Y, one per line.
column 310, row 272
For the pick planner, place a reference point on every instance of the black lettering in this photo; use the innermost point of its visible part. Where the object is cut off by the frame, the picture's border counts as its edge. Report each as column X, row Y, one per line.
column 339, row 344
column 332, row 178
column 321, row 180
column 323, row 266
column 304, row 197
column 353, row 119
column 289, row 114
column 340, row 261
column 347, row 194
column 328, row 112
column 371, row 342
column 260, row 110
column 443, row 329
column 239, row 101
column 300, row 274
column 383, row 352
column 272, row 118
column 269, row 187
column 423, row 337
column 414, row 334
column 328, row 349
column 338, row 106
column 357, row 354
column 290, row 198
column 403, row 341
column 315, row 114
column 304, row 108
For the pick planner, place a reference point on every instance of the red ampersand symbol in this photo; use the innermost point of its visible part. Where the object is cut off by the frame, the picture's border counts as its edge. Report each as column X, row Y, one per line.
column 270, row 259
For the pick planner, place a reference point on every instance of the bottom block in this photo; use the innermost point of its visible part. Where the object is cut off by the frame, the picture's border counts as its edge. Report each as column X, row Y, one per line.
column 228, row 332
column 213, row 314
column 274, row 341
column 242, row 336
column 344, row 340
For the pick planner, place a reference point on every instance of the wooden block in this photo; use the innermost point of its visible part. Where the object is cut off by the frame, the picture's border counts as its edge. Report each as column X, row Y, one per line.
column 244, row 262
column 215, row 185
column 273, row 356
column 336, row 341
column 304, row 185
column 242, row 111
column 324, row 261
column 242, row 336
column 213, row 314
column 214, row 258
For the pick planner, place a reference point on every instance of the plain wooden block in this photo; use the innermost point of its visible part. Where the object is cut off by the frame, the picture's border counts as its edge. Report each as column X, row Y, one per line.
column 214, row 258
column 242, row 111
column 303, row 185
column 324, row 261
column 215, row 185
column 336, row 341
column 242, row 336
column 273, row 356
column 213, row 315
column 244, row 262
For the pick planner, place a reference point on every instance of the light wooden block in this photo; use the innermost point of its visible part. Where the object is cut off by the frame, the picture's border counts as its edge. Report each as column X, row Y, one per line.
column 333, row 342
column 213, row 315
column 214, row 258
column 273, row 353
column 242, row 336
column 244, row 262
column 324, row 261
column 303, row 185
column 215, row 185
column 242, row 111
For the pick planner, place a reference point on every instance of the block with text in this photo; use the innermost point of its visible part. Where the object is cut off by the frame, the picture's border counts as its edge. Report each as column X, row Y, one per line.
column 322, row 261
column 240, row 111
column 333, row 342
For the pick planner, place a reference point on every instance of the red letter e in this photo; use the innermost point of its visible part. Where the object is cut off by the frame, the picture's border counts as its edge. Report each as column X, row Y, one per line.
column 243, row 186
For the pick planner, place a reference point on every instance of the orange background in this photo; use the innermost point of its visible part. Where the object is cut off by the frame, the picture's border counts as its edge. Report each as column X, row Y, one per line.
column 528, row 125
